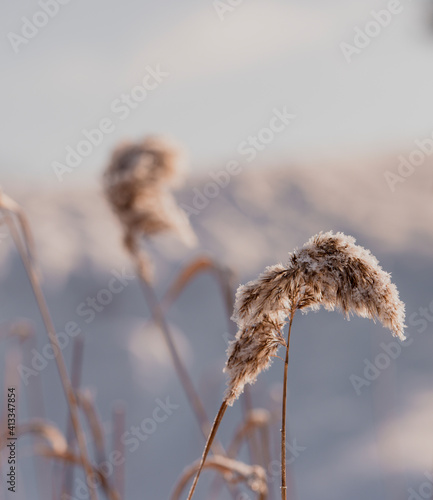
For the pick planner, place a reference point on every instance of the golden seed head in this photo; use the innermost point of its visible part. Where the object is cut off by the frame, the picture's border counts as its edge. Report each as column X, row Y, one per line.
column 329, row 271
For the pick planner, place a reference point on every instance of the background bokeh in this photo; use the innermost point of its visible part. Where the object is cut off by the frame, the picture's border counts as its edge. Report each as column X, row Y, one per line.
column 337, row 166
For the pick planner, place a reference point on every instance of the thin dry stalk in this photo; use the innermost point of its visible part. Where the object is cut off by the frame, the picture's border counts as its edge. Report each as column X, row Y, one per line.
column 212, row 434
column 256, row 419
column 224, row 277
column 284, row 418
column 85, row 400
column 43, row 308
column 264, row 432
column 70, row 457
column 86, row 403
column 138, row 184
column 199, row 265
column 23, row 330
column 76, row 372
column 9, row 205
column 182, row 373
column 118, row 430
column 253, row 475
column 247, row 408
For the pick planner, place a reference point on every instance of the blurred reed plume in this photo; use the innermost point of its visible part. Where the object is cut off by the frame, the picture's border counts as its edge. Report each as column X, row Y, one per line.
column 329, row 271
column 138, row 184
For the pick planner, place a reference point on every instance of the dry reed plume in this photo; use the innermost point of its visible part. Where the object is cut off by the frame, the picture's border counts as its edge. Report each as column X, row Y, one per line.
column 138, row 184
column 329, row 271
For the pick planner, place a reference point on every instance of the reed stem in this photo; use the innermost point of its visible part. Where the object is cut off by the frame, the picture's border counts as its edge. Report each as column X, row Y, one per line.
column 181, row 371
column 61, row 366
column 283, row 418
column 76, row 372
column 209, row 441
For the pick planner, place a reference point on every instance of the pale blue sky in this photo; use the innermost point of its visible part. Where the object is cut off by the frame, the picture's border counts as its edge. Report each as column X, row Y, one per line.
column 225, row 78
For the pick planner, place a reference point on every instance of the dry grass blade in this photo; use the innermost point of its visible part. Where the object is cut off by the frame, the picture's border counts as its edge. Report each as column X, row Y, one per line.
column 192, row 395
column 256, row 419
column 211, row 437
column 232, row 470
column 44, row 430
column 23, row 331
column 182, row 372
column 199, row 265
column 9, row 205
column 136, row 184
column 76, row 373
column 118, row 445
column 24, row 252
column 224, row 276
column 284, row 417
column 71, row 458
column 85, row 401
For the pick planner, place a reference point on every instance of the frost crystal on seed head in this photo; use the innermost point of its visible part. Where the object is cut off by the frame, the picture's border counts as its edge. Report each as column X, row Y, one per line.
column 330, row 271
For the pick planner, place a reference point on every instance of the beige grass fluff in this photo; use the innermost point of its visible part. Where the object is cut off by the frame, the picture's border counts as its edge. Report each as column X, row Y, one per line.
column 330, row 271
